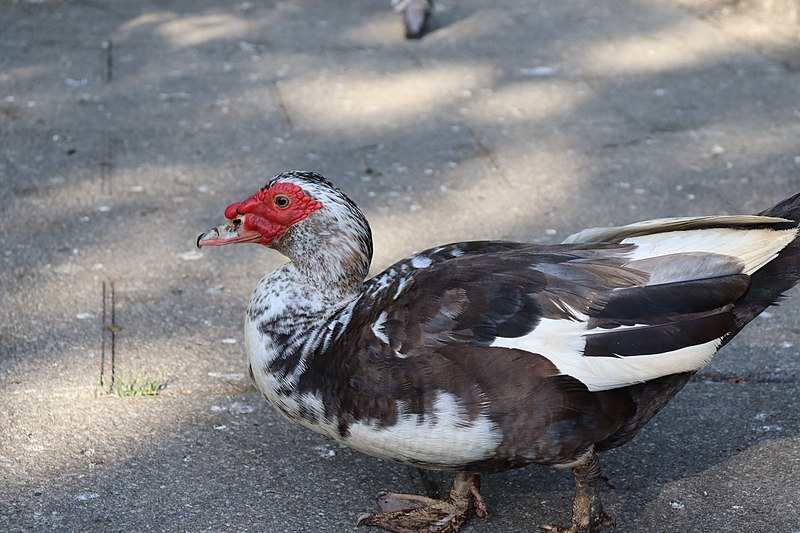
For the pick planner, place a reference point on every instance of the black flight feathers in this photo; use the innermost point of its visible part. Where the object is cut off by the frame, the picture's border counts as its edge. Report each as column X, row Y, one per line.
column 476, row 292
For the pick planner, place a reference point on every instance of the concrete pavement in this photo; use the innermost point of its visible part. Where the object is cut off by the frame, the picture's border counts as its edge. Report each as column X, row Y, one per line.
column 127, row 127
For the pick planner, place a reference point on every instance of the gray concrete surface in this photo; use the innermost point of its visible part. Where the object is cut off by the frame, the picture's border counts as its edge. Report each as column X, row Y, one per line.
column 126, row 127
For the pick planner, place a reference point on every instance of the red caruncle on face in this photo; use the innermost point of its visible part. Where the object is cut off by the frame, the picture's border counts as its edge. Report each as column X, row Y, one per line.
column 274, row 210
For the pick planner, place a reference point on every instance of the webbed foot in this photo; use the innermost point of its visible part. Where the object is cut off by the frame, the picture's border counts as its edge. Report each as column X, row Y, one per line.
column 409, row 513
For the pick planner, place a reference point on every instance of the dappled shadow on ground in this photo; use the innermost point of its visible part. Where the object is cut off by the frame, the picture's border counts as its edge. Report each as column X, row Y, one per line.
column 125, row 136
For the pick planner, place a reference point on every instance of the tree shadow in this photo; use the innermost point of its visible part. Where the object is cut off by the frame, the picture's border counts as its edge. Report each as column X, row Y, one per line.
column 528, row 122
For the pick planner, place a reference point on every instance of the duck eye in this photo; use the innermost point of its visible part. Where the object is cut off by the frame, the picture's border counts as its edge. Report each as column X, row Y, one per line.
column 282, row 202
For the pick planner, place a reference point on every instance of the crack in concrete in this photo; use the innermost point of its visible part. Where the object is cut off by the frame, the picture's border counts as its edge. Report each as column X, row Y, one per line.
column 108, row 350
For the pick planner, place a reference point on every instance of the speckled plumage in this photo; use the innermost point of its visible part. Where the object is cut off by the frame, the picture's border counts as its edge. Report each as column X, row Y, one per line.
column 482, row 356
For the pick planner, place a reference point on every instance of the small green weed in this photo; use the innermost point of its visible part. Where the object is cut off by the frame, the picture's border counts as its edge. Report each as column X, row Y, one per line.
column 141, row 383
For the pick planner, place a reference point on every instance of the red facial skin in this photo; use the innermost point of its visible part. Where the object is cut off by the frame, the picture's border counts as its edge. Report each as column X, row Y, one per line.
column 272, row 211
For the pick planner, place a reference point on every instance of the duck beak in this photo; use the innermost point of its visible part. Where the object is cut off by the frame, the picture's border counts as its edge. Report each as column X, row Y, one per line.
column 232, row 232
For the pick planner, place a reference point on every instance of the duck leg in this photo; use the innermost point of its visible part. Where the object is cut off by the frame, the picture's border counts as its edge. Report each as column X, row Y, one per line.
column 409, row 513
column 587, row 509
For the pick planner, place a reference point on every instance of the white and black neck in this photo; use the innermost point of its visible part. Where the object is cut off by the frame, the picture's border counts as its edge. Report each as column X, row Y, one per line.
column 332, row 248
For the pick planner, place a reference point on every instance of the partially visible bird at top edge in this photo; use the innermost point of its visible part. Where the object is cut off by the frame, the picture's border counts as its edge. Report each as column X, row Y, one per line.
column 415, row 16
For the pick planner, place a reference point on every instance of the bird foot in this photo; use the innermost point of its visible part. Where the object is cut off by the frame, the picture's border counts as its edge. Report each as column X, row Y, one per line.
column 587, row 509
column 409, row 513
column 598, row 523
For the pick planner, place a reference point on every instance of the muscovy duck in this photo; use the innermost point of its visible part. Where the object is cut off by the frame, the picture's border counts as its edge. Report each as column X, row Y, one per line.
column 483, row 356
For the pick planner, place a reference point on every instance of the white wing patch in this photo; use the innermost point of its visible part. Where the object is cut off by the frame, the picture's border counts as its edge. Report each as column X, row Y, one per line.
column 604, row 373
column 377, row 328
column 445, row 437
column 380, row 333
column 401, row 286
column 563, row 343
column 554, row 339
column 421, row 261
column 755, row 247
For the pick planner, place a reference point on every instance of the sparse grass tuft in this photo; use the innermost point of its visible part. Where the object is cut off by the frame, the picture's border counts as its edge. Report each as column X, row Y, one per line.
column 141, row 383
